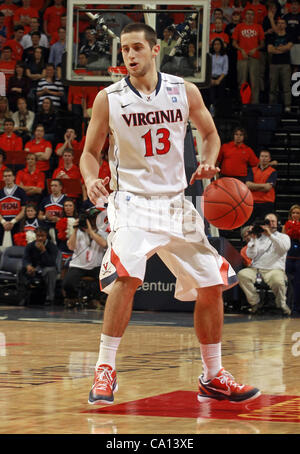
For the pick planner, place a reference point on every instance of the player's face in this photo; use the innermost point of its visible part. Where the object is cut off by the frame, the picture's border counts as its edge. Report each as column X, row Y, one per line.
column 138, row 56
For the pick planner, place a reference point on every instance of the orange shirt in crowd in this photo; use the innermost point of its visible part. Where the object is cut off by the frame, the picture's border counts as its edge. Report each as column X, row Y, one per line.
column 260, row 12
column 234, row 159
column 2, row 168
column 33, row 147
column 8, row 11
column 11, row 143
column 73, row 172
column 16, row 47
column 25, row 12
column 248, row 37
column 52, row 17
column 36, row 178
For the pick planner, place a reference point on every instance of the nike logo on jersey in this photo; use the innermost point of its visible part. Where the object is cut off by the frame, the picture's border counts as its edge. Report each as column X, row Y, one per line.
column 125, row 105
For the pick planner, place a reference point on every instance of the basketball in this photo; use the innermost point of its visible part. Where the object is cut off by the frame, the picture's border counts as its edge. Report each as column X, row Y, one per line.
column 228, row 203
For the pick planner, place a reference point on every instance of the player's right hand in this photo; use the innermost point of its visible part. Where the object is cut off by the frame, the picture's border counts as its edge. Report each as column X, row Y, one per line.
column 96, row 189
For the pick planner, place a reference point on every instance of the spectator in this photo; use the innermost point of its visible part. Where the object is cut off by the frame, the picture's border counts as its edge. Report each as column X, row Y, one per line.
column 280, row 44
column 8, row 8
column 40, row 261
column 46, row 116
column 268, row 251
column 50, row 87
column 57, row 49
column 64, row 228
column 36, row 67
column 292, row 229
column 3, row 30
column 41, row 147
column 232, row 51
column 28, row 53
column 220, row 66
column 2, row 161
column 51, row 207
column 261, row 180
column 235, row 157
column 218, row 32
column 88, row 243
column 18, row 86
column 34, row 27
column 293, row 28
column 269, row 28
column 7, row 64
column 15, row 43
column 52, row 17
column 9, row 141
column 260, row 11
column 28, row 226
column 167, row 43
column 68, row 170
column 217, row 14
column 70, row 143
column 23, row 119
column 12, row 207
column 31, row 180
column 91, row 47
column 24, row 14
column 248, row 39
column 5, row 113
column 246, row 237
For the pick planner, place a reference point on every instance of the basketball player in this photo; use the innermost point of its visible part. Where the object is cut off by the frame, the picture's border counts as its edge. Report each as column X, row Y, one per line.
column 146, row 116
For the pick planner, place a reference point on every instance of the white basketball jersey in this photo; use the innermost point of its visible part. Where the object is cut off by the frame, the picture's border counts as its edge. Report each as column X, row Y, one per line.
column 146, row 152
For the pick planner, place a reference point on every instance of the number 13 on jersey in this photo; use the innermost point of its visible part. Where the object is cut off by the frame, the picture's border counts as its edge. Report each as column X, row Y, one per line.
column 163, row 137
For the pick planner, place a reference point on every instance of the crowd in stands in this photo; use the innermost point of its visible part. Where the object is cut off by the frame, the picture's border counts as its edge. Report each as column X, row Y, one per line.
column 252, row 43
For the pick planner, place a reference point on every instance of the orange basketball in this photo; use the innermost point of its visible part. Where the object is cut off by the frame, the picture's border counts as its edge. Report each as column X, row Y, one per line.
column 228, row 203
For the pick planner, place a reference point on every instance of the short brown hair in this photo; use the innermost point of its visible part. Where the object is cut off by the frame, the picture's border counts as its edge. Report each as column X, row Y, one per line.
column 149, row 32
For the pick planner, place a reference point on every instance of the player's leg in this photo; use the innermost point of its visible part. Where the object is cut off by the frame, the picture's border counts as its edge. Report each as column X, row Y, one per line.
column 117, row 313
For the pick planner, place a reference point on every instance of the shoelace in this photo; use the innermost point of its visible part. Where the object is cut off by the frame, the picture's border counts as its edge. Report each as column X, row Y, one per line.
column 227, row 379
column 104, row 379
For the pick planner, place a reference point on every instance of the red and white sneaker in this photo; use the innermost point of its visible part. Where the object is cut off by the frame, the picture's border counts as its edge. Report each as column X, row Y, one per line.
column 224, row 387
column 105, row 384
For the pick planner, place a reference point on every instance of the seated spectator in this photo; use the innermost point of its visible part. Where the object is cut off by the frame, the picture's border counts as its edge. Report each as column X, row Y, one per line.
column 235, row 157
column 27, row 38
column 36, row 67
column 2, row 161
column 31, row 180
column 57, row 49
column 52, row 18
column 68, row 170
column 15, row 43
column 5, row 113
column 28, row 226
column 41, row 147
column 18, row 86
column 261, row 180
column 23, row 119
column 28, row 53
column 39, row 262
column 89, row 236
column 9, row 141
column 46, row 116
column 64, row 228
column 8, row 8
column 70, row 143
column 51, row 207
column 268, row 251
column 218, row 32
column 246, row 237
column 7, row 64
column 12, row 207
column 292, row 229
column 24, row 14
column 50, row 87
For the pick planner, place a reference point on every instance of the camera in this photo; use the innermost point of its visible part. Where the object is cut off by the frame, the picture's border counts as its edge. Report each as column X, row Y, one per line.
column 257, row 226
column 90, row 215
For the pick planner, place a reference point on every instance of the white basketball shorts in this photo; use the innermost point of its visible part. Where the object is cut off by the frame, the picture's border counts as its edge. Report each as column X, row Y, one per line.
column 170, row 227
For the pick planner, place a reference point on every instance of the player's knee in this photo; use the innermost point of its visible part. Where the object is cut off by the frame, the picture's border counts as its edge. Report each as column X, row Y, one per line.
column 209, row 295
column 128, row 285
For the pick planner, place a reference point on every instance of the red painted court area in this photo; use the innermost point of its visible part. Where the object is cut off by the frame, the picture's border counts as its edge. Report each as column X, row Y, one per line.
column 184, row 404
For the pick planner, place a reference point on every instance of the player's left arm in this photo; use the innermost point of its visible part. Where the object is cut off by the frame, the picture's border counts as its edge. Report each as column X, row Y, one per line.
column 204, row 123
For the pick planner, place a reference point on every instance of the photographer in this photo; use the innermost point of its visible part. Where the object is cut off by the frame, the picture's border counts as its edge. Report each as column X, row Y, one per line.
column 88, row 243
column 268, row 250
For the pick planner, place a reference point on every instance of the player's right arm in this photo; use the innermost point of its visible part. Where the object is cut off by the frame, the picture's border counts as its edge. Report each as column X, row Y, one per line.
column 95, row 138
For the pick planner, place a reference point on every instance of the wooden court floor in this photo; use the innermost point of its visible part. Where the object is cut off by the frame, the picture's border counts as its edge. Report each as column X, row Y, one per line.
column 46, row 371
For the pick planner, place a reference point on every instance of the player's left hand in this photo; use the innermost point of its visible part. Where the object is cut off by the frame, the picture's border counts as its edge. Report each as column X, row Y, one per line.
column 204, row 171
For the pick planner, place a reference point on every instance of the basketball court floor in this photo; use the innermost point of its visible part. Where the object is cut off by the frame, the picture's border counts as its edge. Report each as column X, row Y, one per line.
column 47, row 358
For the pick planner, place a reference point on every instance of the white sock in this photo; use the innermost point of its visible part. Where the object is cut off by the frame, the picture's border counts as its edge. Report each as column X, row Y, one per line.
column 211, row 360
column 108, row 350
